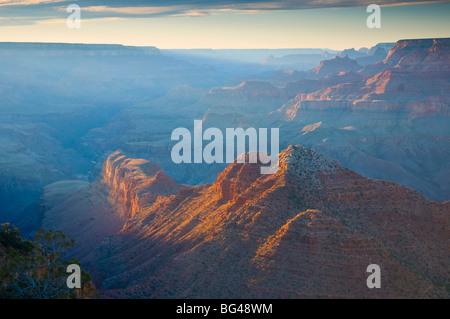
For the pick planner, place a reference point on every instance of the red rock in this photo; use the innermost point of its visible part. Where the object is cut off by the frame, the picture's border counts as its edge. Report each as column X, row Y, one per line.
column 310, row 230
column 135, row 182
column 336, row 66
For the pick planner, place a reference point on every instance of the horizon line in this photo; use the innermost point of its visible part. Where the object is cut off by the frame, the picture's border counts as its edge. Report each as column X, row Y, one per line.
column 306, row 48
column 205, row 48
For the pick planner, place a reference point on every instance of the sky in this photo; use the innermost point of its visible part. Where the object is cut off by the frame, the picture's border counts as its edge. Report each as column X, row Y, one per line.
column 228, row 24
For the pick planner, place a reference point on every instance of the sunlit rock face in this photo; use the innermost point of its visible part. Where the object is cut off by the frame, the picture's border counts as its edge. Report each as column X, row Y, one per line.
column 123, row 189
column 135, row 182
column 310, row 230
column 398, row 110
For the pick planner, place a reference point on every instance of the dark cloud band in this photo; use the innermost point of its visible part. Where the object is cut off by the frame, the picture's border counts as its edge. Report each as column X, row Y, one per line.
column 15, row 11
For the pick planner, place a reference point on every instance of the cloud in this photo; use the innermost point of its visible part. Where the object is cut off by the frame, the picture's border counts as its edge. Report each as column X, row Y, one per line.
column 172, row 11
column 16, row 21
column 26, row 2
column 239, row 5
column 101, row 9
column 192, row 13
column 133, row 10
column 202, row 7
column 63, row 21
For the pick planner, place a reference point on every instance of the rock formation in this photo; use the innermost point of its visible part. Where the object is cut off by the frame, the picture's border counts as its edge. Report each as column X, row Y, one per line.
column 310, row 230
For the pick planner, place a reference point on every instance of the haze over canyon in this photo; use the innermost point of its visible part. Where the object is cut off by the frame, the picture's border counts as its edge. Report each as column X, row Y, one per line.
column 363, row 177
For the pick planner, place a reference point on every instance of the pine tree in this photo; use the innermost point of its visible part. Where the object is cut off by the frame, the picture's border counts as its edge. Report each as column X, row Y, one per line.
column 37, row 269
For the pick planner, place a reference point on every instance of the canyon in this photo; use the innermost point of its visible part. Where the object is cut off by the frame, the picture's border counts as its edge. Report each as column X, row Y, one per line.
column 309, row 230
column 88, row 151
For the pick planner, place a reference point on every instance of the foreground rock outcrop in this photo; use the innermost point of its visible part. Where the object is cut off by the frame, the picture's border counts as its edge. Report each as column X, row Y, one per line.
column 124, row 187
column 133, row 183
column 310, row 230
